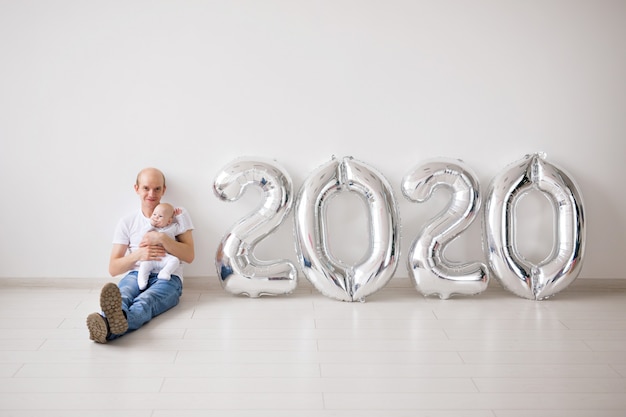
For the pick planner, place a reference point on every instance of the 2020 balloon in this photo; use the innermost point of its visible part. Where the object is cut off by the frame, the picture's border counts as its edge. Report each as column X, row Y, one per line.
column 329, row 275
column 241, row 273
column 432, row 273
column 238, row 269
column 562, row 266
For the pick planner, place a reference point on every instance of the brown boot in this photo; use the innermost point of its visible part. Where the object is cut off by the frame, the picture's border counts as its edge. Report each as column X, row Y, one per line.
column 98, row 328
column 111, row 305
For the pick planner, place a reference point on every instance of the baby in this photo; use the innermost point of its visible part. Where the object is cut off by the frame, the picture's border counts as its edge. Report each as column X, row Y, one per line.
column 161, row 221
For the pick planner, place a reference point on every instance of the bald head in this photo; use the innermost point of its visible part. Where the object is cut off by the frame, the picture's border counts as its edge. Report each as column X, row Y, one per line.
column 151, row 173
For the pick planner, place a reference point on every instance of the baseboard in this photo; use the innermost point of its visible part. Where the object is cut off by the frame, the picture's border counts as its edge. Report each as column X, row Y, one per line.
column 212, row 283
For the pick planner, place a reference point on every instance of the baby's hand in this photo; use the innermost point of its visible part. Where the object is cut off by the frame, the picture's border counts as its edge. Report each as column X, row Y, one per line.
column 177, row 211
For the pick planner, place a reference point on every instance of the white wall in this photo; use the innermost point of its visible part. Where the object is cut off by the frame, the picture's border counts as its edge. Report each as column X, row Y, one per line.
column 90, row 92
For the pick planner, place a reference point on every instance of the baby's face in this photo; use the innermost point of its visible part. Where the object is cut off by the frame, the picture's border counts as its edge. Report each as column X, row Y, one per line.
column 160, row 217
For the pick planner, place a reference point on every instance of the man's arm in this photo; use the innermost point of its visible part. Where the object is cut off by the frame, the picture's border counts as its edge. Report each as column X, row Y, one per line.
column 120, row 262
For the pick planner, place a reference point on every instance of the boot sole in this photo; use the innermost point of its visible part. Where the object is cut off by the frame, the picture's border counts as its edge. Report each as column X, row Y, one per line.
column 97, row 328
column 111, row 304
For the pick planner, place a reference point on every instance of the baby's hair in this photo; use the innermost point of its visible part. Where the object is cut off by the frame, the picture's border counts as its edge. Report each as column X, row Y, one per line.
column 168, row 208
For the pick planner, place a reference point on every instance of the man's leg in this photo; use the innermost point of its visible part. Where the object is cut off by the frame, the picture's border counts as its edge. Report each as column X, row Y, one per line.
column 160, row 296
column 126, row 308
column 111, row 304
column 112, row 320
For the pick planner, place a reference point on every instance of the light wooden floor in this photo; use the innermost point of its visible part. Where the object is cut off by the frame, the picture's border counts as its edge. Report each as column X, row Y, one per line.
column 397, row 354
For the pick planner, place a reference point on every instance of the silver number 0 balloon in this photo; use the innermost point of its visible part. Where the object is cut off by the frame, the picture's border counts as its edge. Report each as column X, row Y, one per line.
column 239, row 271
column 563, row 265
column 329, row 275
column 432, row 273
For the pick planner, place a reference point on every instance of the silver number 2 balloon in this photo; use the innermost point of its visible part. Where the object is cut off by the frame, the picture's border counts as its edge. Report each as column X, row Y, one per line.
column 432, row 273
column 239, row 271
column 330, row 276
column 563, row 265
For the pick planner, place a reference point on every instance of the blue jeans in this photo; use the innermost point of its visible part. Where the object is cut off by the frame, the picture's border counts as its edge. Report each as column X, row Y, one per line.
column 141, row 306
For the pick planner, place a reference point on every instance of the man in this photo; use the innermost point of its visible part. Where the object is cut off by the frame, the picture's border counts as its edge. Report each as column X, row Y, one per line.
column 124, row 306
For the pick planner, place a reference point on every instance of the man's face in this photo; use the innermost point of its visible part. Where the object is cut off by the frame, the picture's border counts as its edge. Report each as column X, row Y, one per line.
column 150, row 189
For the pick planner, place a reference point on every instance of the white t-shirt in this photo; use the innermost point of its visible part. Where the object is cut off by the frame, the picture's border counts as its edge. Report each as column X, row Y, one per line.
column 131, row 229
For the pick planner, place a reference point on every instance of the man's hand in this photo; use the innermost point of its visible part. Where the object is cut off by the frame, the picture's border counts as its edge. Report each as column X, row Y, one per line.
column 152, row 238
column 151, row 253
column 150, row 247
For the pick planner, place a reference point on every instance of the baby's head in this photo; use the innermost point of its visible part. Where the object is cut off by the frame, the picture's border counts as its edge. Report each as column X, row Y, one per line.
column 162, row 215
